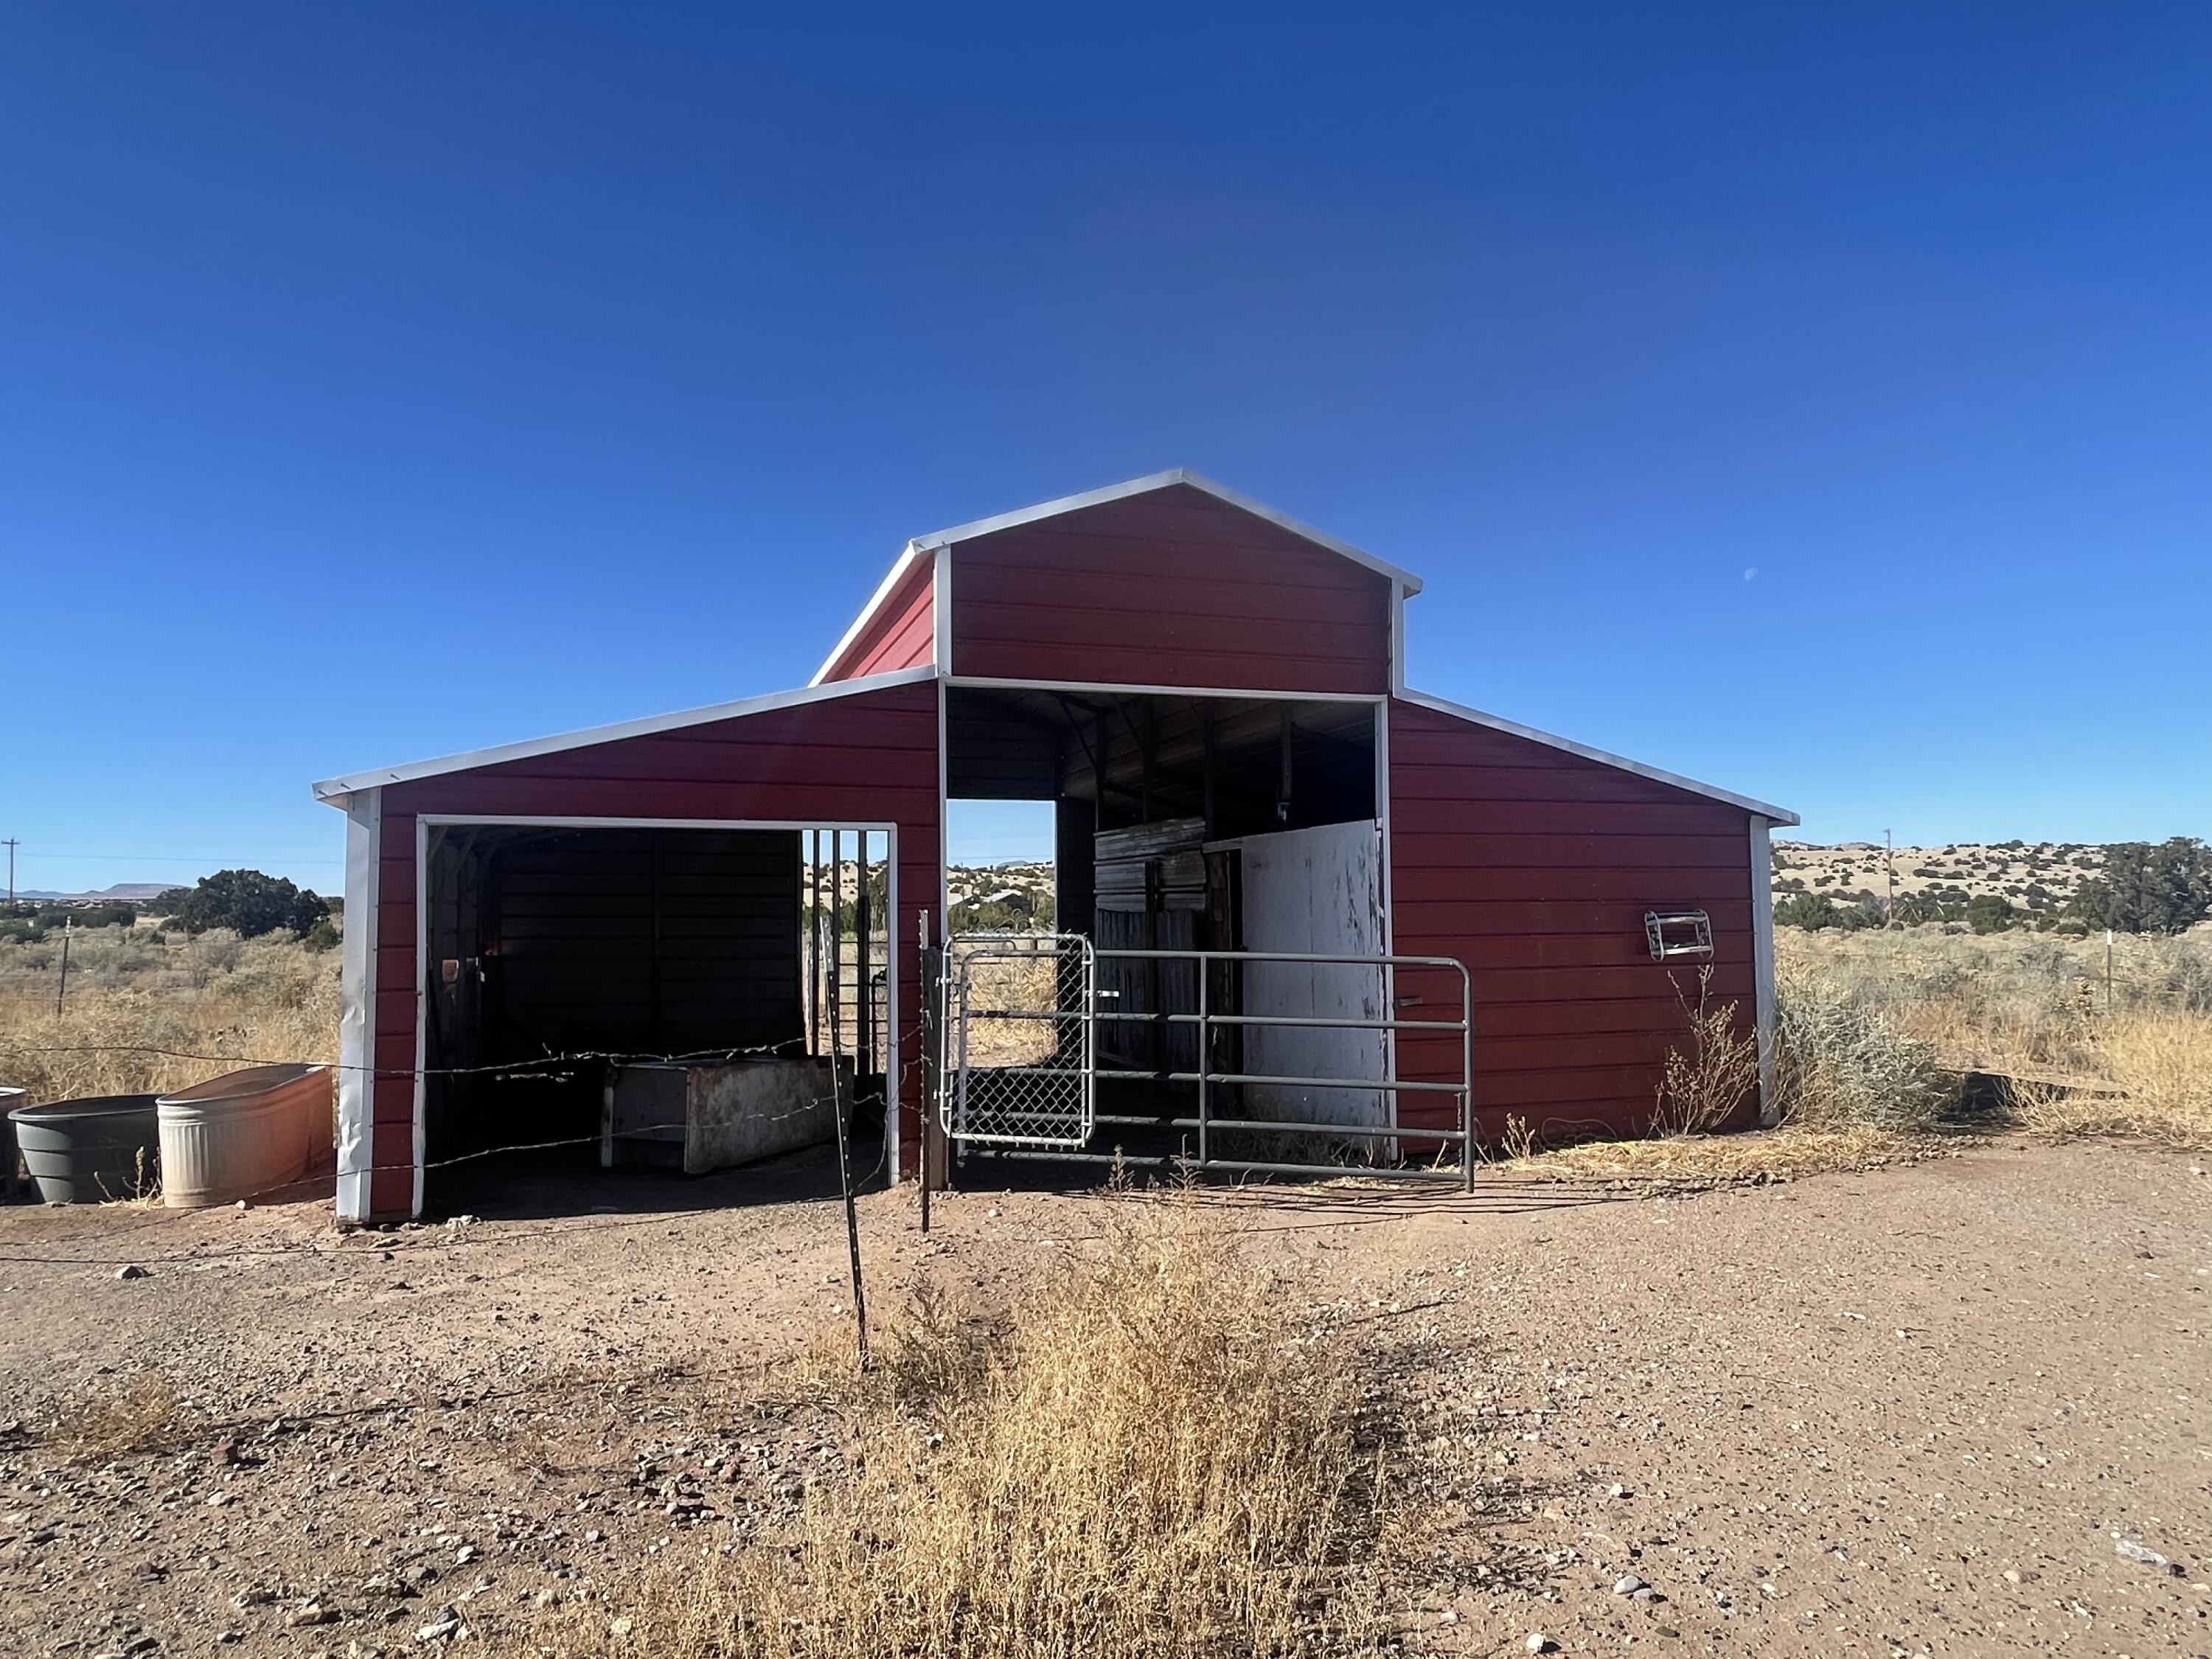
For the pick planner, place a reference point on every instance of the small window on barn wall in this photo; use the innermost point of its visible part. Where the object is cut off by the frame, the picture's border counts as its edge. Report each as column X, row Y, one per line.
column 1675, row 933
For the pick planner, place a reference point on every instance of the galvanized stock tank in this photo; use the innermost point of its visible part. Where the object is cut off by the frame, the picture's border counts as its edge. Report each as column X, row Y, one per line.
column 248, row 1134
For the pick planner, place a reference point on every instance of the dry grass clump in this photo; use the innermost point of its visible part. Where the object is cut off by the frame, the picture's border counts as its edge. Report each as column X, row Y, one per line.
column 2014, row 1003
column 1676, row 1161
column 144, row 1416
column 2160, row 1066
column 1152, row 1454
column 128, row 994
column 2132, row 1056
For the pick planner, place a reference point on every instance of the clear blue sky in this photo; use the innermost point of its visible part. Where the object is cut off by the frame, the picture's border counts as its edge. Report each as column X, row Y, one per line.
column 377, row 382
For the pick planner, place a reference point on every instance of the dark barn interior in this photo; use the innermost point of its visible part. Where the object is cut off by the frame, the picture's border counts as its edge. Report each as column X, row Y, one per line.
column 551, row 951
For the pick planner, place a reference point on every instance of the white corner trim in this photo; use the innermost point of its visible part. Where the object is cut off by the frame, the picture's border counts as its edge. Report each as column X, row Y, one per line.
column 940, row 613
column 1399, row 593
column 1145, row 486
column 357, row 1006
column 333, row 788
column 1762, row 968
column 1496, row 723
column 877, row 600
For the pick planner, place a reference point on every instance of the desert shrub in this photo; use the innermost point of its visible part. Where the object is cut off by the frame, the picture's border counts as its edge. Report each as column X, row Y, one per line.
column 1711, row 1074
column 1807, row 910
column 1989, row 912
column 1144, row 1457
column 1839, row 1065
column 250, row 904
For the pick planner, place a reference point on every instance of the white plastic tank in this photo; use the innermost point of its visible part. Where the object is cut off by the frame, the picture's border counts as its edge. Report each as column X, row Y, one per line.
column 246, row 1134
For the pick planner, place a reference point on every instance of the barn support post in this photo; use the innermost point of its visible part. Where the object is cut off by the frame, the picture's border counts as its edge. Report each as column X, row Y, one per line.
column 863, row 951
column 813, row 941
column 364, row 812
column 1762, row 968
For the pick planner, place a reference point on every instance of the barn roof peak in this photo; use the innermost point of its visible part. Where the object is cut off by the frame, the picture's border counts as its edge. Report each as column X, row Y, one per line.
column 1174, row 477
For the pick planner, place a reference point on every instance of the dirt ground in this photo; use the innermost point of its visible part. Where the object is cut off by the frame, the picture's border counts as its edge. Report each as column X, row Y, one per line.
column 1897, row 1413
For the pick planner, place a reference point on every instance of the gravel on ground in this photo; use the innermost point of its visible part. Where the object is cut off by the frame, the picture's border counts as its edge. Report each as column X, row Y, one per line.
column 1953, row 1407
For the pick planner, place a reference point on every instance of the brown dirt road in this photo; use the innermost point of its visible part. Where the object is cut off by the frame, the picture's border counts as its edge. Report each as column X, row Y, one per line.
column 1896, row 1412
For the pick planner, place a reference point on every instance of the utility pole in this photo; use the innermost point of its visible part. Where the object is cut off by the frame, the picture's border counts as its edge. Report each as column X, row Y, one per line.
column 12, row 844
column 1889, row 861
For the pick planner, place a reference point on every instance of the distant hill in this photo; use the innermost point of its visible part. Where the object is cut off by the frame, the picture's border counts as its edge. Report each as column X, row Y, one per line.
column 2038, row 876
column 122, row 889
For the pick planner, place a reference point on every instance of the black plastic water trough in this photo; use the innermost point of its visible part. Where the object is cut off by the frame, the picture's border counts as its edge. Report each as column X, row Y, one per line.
column 85, row 1152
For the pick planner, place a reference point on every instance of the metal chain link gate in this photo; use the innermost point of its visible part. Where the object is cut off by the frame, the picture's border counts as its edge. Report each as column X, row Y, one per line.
column 1019, row 1041
column 1017, row 1072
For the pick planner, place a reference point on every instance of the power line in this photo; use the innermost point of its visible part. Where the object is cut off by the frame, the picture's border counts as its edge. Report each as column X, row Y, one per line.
column 180, row 858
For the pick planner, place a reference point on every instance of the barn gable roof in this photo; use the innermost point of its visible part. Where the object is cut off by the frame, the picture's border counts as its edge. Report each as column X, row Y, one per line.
column 334, row 790
column 923, row 547
column 1145, row 486
column 1781, row 815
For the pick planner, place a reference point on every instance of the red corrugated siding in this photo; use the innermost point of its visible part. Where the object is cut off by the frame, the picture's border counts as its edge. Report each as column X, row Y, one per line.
column 903, row 634
column 1534, row 867
column 869, row 757
column 1172, row 587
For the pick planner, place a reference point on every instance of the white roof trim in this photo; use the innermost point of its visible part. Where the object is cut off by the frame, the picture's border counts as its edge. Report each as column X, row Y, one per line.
column 1144, row 486
column 334, row 789
column 904, row 562
column 1476, row 717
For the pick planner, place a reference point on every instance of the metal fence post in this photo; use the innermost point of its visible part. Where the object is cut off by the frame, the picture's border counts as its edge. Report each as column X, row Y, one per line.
column 1467, row 1072
column 1205, row 1057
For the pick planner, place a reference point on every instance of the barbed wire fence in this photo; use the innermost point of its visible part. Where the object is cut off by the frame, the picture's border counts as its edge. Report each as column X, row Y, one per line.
column 551, row 1064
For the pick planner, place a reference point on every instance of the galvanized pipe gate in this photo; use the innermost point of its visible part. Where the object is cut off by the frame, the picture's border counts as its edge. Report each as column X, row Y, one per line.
column 1016, row 1067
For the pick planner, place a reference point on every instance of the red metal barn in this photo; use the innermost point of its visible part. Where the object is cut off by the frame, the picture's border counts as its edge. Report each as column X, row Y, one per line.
column 1273, row 860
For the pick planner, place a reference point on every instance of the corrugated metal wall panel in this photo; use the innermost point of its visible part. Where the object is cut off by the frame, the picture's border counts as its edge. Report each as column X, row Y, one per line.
column 1535, row 866
column 1173, row 588
column 903, row 634
column 868, row 757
